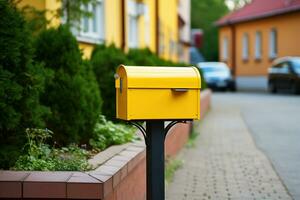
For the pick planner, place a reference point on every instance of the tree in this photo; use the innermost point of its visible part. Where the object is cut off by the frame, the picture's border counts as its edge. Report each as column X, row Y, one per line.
column 21, row 82
column 237, row 4
column 73, row 11
column 204, row 14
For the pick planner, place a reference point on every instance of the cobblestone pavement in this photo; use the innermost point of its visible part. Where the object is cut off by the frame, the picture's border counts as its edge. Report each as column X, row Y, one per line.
column 225, row 163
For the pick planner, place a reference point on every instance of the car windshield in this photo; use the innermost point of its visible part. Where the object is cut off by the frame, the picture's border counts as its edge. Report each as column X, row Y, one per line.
column 296, row 65
column 213, row 67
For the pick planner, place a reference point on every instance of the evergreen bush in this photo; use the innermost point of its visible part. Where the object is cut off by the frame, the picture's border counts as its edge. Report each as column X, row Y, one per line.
column 21, row 81
column 72, row 94
column 105, row 61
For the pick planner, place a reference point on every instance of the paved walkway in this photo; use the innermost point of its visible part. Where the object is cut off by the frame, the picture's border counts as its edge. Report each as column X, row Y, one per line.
column 225, row 164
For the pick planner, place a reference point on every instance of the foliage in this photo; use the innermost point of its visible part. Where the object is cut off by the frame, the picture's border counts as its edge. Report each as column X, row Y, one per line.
column 204, row 14
column 192, row 140
column 72, row 94
column 21, row 82
column 171, row 166
column 106, row 133
column 73, row 11
column 105, row 61
column 237, row 4
column 203, row 83
column 41, row 157
column 144, row 57
column 35, row 18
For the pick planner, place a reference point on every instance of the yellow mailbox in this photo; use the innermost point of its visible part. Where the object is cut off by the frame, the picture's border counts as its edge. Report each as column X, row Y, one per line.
column 157, row 93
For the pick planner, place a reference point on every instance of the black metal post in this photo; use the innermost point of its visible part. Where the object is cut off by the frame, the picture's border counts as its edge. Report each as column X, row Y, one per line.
column 155, row 160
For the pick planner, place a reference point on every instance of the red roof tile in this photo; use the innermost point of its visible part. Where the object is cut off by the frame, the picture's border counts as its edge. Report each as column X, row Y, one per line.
column 260, row 9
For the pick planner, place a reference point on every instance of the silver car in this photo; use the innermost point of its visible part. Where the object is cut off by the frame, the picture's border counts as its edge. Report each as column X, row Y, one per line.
column 217, row 75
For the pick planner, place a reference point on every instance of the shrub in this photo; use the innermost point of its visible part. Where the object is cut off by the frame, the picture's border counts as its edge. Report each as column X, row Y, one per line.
column 105, row 60
column 203, row 83
column 41, row 156
column 72, row 94
column 144, row 57
column 107, row 133
column 21, row 82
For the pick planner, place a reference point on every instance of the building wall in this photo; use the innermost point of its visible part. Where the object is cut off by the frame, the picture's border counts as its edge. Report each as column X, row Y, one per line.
column 288, row 42
column 226, row 32
column 168, row 29
column 146, row 25
column 184, row 10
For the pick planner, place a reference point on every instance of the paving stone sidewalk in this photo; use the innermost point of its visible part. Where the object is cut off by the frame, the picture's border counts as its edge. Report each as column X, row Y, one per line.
column 225, row 163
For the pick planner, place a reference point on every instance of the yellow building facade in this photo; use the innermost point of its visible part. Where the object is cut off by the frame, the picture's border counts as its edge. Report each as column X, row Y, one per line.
column 128, row 24
column 249, row 46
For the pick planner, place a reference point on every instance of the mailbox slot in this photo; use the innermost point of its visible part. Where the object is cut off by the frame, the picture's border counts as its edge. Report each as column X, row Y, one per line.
column 180, row 89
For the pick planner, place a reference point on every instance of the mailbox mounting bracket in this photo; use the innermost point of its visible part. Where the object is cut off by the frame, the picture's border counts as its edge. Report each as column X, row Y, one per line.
column 167, row 128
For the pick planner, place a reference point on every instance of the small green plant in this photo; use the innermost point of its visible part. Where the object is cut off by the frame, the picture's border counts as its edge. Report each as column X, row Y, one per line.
column 40, row 156
column 106, row 133
column 171, row 166
column 192, row 140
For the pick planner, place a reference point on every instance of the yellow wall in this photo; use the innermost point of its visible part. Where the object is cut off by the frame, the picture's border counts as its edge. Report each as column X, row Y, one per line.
column 169, row 28
column 225, row 32
column 168, row 16
column 112, row 18
column 288, row 42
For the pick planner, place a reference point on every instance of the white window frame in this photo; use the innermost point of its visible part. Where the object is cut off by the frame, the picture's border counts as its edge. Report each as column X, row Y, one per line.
column 225, row 48
column 91, row 35
column 245, row 53
column 133, row 14
column 273, row 43
column 258, row 45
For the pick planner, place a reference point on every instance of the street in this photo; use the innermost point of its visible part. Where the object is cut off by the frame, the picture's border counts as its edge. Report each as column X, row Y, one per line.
column 273, row 121
column 248, row 148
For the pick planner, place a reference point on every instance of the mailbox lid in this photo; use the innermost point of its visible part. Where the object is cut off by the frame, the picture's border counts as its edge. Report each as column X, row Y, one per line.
column 159, row 77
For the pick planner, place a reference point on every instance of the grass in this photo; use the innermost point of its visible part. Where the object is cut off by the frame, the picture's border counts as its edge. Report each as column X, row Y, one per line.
column 171, row 166
column 192, row 140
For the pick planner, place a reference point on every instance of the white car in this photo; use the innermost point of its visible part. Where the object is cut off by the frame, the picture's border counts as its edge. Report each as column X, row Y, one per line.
column 217, row 75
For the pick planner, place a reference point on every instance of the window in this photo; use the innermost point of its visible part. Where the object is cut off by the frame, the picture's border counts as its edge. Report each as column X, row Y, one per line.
column 245, row 46
column 132, row 7
column 258, row 45
column 284, row 68
column 225, row 49
column 273, row 44
column 92, row 28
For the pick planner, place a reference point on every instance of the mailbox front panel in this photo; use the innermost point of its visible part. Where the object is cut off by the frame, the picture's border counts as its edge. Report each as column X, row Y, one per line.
column 167, row 93
column 163, row 104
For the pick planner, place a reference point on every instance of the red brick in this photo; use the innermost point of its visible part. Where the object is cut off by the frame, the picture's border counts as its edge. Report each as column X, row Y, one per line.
column 46, row 185
column 107, row 182
column 84, row 186
column 11, row 183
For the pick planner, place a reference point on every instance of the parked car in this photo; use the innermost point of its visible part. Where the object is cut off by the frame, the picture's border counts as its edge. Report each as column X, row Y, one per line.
column 217, row 75
column 284, row 74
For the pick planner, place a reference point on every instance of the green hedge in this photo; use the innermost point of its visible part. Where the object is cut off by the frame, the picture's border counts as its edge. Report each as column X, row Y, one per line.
column 72, row 93
column 21, row 82
column 105, row 60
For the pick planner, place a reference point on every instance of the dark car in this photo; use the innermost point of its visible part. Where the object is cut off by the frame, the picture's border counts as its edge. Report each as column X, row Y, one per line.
column 217, row 75
column 285, row 75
